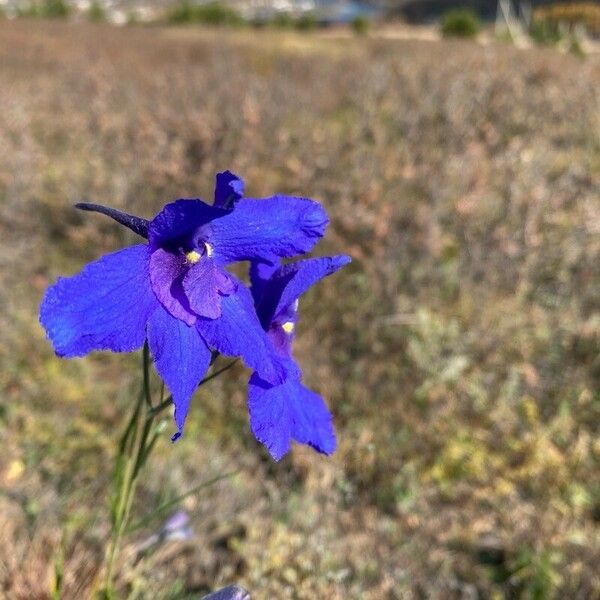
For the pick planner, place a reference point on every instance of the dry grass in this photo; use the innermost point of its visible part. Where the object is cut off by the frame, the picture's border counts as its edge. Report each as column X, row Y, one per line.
column 459, row 352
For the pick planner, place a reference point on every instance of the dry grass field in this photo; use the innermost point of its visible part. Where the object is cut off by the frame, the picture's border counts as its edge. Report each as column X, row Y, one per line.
column 459, row 352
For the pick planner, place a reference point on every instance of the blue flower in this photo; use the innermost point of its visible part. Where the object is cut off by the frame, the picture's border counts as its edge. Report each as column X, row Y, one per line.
column 174, row 290
column 284, row 411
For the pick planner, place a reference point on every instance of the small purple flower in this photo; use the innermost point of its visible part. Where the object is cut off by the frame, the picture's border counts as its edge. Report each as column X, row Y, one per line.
column 174, row 290
column 284, row 411
column 175, row 528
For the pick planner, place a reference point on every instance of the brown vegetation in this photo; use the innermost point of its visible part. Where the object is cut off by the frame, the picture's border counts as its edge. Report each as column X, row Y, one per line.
column 459, row 352
column 586, row 14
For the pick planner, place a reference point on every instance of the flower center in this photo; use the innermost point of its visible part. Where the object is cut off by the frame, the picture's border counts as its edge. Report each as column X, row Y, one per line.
column 194, row 256
column 288, row 327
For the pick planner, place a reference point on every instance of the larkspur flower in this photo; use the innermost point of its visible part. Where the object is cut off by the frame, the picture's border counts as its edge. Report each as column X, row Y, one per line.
column 175, row 528
column 284, row 411
column 174, row 290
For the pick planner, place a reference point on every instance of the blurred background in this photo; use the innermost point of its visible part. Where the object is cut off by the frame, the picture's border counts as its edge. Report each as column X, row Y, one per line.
column 456, row 146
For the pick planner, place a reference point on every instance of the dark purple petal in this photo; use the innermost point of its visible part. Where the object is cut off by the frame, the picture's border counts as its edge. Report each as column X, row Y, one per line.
column 136, row 224
column 227, row 284
column 260, row 274
column 285, row 285
column 282, row 337
column 204, row 284
column 229, row 188
column 180, row 219
column 238, row 332
column 281, row 226
column 300, row 276
column 167, row 270
column 270, row 418
column 181, row 358
column 105, row 307
column 286, row 412
column 313, row 422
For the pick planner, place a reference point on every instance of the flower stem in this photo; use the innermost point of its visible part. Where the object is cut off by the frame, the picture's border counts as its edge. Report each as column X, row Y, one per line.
column 168, row 401
column 135, row 446
column 130, row 457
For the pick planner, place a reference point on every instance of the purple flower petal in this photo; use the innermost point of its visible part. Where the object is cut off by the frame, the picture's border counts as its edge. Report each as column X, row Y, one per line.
column 180, row 219
column 105, row 307
column 177, row 520
column 204, row 284
column 167, row 271
column 282, row 337
column 181, row 358
column 286, row 412
column 289, row 282
column 281, row 226
column 260, row 275
column 302, row 275
column 238, row 332
column 229, row 188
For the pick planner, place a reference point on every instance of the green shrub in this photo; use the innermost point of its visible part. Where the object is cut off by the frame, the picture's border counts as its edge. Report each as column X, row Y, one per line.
column 213, row 13
column 576, row 48
column 48, row 9
column 96, row 13
column 306, row 22
column 545, row 32
column 31, row 10
column 283, row 20
column 55, row 9
column 460, row 23
column 182, row 13
column 360, row 25
column 216, row 13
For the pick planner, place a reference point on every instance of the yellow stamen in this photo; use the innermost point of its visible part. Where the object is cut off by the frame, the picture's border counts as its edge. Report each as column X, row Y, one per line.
column 288, row 327
column 193, row 257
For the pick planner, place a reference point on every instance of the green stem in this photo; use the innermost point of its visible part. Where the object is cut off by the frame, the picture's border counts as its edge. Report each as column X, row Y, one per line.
column 146, row 363
column 135, row 446
column 131, row 449
column 163, row 508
